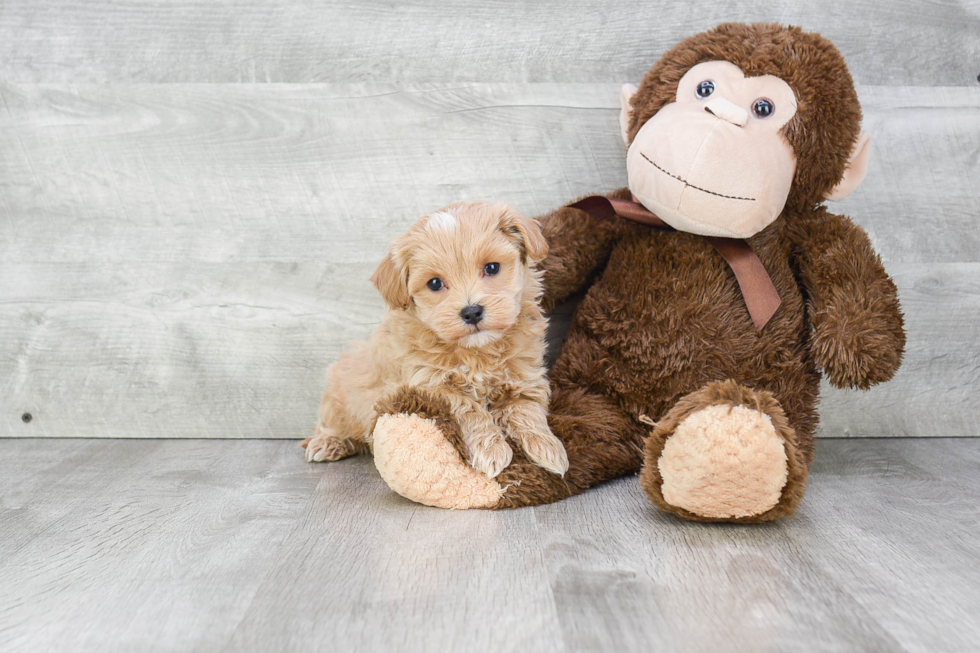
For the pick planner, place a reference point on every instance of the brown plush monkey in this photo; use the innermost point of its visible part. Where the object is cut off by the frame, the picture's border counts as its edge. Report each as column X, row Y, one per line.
column 740, row 132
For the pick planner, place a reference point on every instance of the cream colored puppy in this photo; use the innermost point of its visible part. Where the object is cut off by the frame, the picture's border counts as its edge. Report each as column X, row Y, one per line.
column 463, row 323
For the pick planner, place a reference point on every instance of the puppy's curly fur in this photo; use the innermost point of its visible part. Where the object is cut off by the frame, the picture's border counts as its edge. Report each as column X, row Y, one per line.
column 464, row 324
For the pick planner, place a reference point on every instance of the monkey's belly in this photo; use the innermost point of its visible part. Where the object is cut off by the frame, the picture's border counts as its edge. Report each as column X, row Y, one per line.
column 667, row 316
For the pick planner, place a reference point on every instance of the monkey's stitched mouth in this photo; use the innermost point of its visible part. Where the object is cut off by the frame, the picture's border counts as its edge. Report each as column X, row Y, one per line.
column 687, row 183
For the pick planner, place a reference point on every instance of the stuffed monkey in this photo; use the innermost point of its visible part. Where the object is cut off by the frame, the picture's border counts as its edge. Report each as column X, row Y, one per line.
column 736, row 138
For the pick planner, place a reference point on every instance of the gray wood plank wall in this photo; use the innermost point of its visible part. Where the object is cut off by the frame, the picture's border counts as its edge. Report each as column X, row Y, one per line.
column 193, row 194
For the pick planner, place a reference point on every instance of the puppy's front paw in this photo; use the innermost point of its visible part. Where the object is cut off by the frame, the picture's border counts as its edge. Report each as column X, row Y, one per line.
column 320, row 449
column 544, row 449
column 489, row 453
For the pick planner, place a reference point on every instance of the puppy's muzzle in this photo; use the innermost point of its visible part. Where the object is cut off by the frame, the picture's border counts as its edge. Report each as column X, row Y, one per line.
column 472, row 314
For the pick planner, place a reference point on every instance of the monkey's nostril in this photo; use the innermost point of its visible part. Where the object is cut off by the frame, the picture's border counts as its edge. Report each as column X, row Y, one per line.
column 472, row 314
column 723, row 109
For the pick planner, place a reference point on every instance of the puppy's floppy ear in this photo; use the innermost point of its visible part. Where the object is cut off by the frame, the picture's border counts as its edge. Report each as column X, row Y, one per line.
column 527, row 233
column 391, row 280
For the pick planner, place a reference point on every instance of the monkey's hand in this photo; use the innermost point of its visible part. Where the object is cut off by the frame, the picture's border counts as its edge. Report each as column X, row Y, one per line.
column 859, row 337
column 578, row 245
column 858, row 341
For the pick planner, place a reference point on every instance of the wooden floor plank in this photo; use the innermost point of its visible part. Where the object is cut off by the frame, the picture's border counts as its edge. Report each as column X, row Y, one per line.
column 44, row 486
column 369, row 567
column 243, row 546
column 933, row 524
column 160, row 558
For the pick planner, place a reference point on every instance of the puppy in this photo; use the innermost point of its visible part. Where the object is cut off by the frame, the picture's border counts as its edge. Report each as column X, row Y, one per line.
column 463, row 323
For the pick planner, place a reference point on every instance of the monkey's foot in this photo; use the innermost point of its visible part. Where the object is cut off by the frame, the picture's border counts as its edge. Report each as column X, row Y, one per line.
column 724, row 453
column 420, row 454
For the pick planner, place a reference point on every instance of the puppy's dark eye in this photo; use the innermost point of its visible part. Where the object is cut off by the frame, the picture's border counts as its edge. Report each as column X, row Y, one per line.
column 491, row 269
column 435, row 285
column 705, row 88
column 763, row 108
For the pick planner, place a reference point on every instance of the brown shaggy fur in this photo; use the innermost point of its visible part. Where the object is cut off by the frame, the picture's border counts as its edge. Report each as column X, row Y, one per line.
column 663, row 329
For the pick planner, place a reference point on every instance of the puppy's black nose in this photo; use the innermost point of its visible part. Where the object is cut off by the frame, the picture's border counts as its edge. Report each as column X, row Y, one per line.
column 472, row 314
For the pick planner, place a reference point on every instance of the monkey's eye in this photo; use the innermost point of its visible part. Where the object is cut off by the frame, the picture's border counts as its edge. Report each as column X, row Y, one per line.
column 763, row 108
column 491, row 269
column 435, row 285
column 705, row 88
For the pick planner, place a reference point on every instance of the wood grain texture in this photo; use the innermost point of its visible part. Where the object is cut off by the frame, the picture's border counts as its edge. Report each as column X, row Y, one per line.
column 899, row 42
column 122, row 545
column 185, row 260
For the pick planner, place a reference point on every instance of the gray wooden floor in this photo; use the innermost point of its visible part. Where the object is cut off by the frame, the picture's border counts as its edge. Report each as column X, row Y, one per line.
column 210, row 545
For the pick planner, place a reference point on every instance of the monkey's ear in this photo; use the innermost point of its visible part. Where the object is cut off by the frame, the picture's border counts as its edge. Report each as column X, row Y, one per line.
column 626, row 93
column 391, row 280
column 857, row 168
column 527, row 232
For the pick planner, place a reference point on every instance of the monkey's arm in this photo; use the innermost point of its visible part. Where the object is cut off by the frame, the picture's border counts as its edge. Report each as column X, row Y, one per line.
column 859, row 336
column 578, row 245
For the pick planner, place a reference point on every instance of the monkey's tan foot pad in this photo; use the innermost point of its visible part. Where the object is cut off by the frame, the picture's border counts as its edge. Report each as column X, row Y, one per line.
column 417, row 461
column 725, row 453
column 724, row 462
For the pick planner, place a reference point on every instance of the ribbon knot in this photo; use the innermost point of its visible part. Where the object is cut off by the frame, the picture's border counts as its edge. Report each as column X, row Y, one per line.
column 758, row 291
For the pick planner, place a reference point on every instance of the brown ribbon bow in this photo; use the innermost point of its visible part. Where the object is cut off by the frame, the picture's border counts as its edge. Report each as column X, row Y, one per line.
column 757, row 288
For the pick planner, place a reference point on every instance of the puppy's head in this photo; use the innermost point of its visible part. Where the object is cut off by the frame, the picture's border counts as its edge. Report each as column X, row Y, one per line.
column 464, row 271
